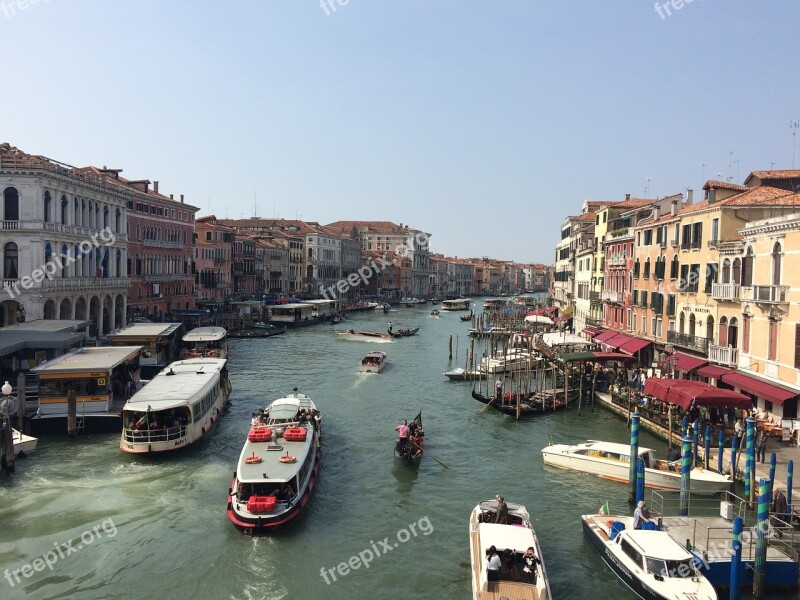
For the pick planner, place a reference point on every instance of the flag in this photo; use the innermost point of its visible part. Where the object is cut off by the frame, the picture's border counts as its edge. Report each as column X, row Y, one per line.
column 603, row 509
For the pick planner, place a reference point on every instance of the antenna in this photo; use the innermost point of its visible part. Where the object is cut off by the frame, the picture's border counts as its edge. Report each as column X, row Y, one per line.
column 647, row 185
column 703, row 175
column 255, row 205
column 209, row 207
column 793, row 125
column 730, row 165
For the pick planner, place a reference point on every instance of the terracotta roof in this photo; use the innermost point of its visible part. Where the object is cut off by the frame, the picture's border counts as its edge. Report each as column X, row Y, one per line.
column 723, row 185
column 633, row 203
column 346, row 227
column 590, row 204
column 763, row 196
column 776, row 174
column 587, row 216
column 302, row 227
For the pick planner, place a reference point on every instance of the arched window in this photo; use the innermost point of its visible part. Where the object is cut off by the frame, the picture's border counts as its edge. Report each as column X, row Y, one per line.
column 11, row 204
column 674, row 268
column 736, row 272
column 682, row 323
column 118, row 221
column 64, row 207
column 105, row 217
column 776, row 264
column 647, row 267
column 118, row 263
column 710, row 330
column 76, row 212
column 10, row 261
column 747, row 268
column 726, row 271
column 723, row 331
column 635, row 268
column 733, row 333
column 48, row 206
column 48, row 251
column 692, row 323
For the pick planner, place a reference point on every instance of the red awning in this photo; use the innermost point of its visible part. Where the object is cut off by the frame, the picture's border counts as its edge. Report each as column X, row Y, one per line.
column 762, row 389
column 607, row 334
column 713, row 371
column 633, row 345
column 685, row 393
column 590, row 331
column 687, row 362
column 617, row 340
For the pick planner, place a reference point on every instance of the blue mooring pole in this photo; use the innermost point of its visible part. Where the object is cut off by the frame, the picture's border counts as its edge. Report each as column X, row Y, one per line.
column 750, row 463
column 707, row 447
column 639, row 480
column 772, row 462
column 721, row 448
column 686, row 469
column 762, row 528
column 736, row 559
column 789, row 476
column 696, row 439
column 734, row 450
column 684, row 426
column 634, row 456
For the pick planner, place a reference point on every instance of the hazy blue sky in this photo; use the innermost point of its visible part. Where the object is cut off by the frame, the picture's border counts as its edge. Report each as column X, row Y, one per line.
column 484, row 123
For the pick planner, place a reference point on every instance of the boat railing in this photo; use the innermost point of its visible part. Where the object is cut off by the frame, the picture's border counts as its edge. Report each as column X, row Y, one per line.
column 667, row 504
column 146, row 436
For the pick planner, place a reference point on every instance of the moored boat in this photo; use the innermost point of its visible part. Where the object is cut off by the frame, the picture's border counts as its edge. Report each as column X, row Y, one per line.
column 513, row 360
column 177, row 408
column 278, row 466
column 612, row 461
column 373, row 362
column 208, row 342
column 414, row 448
column 649, row 562
column 517, row 577
column 257, row 333
column 23, row 444
column 465, row 318
column 531, row 403
column 462, row 374
column 363, row 336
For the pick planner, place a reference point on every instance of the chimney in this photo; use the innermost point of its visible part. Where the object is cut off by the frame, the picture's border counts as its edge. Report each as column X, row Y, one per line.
column 712, row 196
column 656, row 212
column 674, row 209
column 155, row 187
column 171, row 196
column 627, row 196
column 689, row 197
column 181, row 198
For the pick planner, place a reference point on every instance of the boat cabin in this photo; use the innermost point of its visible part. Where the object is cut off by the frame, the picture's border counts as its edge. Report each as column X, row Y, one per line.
column 616, row 453
column 205, row 341
column 293, row 313
column 459, row 304
column 325, row 309
column 161, row 343
column 102, row 379
column 495, row 303
column 656, row 554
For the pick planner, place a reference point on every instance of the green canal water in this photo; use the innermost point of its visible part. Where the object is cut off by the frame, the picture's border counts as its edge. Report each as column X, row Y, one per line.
column 122, row 526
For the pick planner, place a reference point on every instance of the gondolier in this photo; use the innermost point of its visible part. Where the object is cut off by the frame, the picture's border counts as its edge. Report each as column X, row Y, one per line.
column 498, row 389
column 402, row 436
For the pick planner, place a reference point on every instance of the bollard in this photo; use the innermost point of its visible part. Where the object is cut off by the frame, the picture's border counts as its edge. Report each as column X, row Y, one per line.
column 721, row 453
column 707, row 447
column 450, row 347
column 634, row 456
column 789, row 476
column 736, row 559
column 639, row 480
column 684, row 426
column 72, row 414
column 734, row 450
column 762, row 529
column 686, row 469
column 750, row 463
column 772, row 462
column 695, row 442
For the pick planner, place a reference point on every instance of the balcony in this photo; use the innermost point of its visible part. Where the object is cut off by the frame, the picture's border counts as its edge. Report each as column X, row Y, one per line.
column 725, row 355
column 163, row 277
column 11, row 225
column 617, row 261
column 162, row 244
column 772, row 294
column 685, row 340
column 218, row 260
column 80, row 283
column 725, row 291
column 621, row 232
column 594, row 322
column 609, row 296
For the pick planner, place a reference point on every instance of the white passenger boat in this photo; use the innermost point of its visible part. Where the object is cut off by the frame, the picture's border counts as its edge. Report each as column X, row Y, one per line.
column 513, row 360
column 373, row 362
column 460, row 304
column 651, row 563
column 23, row 444
column 612, row 461
column 177, row 408
column 205, row 342
column 363, row 336
column 511, row 540
column 277, row 467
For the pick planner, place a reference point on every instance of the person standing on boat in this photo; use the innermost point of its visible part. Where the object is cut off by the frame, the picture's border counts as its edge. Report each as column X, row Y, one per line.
column 493, row 564
column 531, row 560
column 502, row 511
column 390, row 328
column 402, row 436
column 640, row 514
column 498, row 387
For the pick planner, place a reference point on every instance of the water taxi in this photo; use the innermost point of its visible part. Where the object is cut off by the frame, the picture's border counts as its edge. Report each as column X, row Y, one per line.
column 612, row 461
column 177, row 408
column 459, row 304
column 651, row 563
column 373, row 362
column 364, row 336
column 102, row 379
column 161, row 343
column 278, row 466
column 517, row 577
column 202, row 342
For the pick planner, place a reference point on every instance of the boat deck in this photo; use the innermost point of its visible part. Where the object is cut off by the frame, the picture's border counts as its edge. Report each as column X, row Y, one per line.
column 499, row 589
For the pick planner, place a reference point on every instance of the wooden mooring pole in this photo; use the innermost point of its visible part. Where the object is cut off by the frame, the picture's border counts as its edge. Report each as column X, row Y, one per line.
column 72, row 414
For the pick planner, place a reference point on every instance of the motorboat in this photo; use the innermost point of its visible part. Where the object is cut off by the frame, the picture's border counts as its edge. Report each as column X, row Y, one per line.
column 412, row 452
column 612, row 461
column 205, row 342
column 517, row 578
column 513, row 360
column 177, row 408
column 373, row 362
column 434, row 313
column 462, row 374
column 649, row 562
column 23, row 444
column 278, row 465
column 363, row 336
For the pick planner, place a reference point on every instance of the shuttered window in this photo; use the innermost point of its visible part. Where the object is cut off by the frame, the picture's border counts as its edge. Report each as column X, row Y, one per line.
column 796, row 345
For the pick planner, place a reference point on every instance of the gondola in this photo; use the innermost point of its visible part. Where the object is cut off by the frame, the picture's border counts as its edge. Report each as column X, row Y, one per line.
column 466, row 317
column 403, row 332
column 530, row 403
column 256, row 333
column 413, row 452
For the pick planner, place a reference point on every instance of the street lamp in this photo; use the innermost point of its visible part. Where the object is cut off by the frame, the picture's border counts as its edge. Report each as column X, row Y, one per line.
column 7, row 389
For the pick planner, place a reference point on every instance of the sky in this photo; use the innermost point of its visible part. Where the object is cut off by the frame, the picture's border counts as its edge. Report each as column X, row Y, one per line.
column 482, row 123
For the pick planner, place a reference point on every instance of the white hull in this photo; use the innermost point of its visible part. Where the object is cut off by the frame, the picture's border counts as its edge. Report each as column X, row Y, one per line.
column 372, row 368
column 23, row 444
column 619, row 471
column 357, row 337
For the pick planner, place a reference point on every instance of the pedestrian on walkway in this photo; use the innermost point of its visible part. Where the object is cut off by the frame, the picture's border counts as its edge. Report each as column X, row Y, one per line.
column 761, row 446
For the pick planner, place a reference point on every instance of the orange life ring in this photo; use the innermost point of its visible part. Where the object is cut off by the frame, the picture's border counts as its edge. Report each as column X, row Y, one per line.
column 253, row 460
column 286, row 458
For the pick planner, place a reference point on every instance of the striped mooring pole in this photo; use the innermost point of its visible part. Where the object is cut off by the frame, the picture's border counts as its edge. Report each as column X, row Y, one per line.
column 639, row 480
column 721, row 450
column 750, row 463
column 736, row 559
column 734, row 451
column 634, row 456
column 686, row 469
column 762, row 529
column 707, row 447
column 789, row 477
column 696, row 442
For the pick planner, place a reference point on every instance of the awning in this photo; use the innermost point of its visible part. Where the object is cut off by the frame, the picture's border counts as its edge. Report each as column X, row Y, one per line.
column 713, row 371
column 618, row 340
column 607, row 334
column 590, row 331
column 762, row 389
column 633, row 345
column 594, row 356
column 687, row 362
column 686, row 393
column 209, row 302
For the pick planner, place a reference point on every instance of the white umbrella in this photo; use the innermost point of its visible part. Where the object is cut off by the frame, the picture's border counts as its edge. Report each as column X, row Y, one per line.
column 539, row 319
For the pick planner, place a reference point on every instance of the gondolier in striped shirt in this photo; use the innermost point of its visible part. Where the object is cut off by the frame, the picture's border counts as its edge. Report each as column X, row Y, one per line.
column 402, row 436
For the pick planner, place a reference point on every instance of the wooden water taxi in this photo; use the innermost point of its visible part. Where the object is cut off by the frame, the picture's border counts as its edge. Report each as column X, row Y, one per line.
column 373, row 362
column 363, row 336
column 519, row 577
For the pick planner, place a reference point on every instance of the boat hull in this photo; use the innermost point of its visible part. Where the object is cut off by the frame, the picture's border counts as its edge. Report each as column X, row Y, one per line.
column 23, row 444
column 372, row 368
column 528, row 404
column 620, row 471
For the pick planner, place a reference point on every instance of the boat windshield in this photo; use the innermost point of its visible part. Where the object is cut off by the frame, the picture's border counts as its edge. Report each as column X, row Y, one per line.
column 671, row 568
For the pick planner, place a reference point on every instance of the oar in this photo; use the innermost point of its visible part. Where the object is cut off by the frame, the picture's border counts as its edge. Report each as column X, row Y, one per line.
column 487, row 405
column 429, row 454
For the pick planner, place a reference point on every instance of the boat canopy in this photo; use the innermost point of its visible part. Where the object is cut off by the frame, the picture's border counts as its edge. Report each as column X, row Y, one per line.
column 685, row 393
column 205, row 334
column 176, row 385
column 564, row 339
column 657, row 544
column 502, row 537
